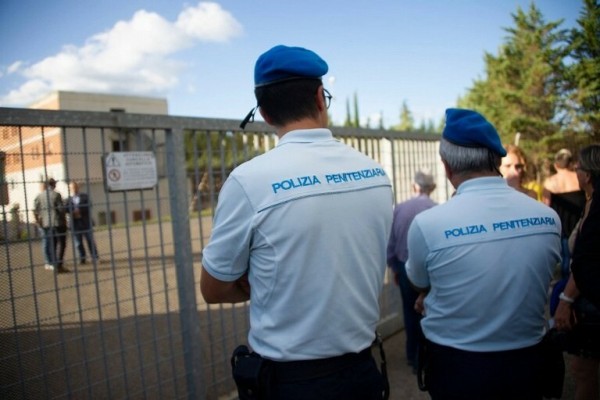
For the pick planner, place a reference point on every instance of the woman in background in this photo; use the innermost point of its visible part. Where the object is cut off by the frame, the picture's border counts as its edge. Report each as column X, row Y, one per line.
column 513, row 169
column 581, row 296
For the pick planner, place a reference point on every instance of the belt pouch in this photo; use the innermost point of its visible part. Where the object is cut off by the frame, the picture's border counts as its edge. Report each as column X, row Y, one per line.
column 250, row 373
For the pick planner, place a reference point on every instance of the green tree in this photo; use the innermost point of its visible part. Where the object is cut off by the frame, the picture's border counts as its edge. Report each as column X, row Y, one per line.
column 356, row 115
column 348, row 121
column 407, row 122
column 430, row 126
column 524, row 85
column 352, row 119
column 381, row 124
column 584, row 72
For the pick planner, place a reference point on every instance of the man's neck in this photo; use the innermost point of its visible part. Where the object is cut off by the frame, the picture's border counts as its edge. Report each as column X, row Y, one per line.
column 457, row 180
column 296, row 125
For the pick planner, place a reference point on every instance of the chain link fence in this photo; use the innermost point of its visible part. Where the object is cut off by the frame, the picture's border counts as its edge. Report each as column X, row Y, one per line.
column 131, row 323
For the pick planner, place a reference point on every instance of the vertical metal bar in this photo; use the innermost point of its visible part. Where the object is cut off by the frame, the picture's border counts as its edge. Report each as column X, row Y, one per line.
column 98, row 298
column 136, row 325
column 209, row 169
column 394, row 173
column 76, row 272
column 115, row 282
column 9, row 271
column 57, row 291
column 166, row 292
column 153, row 321
column 190, row 322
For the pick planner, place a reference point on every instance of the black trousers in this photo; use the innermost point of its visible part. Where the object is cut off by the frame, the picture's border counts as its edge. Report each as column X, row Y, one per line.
column 360, row 381
column 457, row 374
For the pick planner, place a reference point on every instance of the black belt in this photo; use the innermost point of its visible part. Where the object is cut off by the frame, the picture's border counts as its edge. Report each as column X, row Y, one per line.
column 291, row 371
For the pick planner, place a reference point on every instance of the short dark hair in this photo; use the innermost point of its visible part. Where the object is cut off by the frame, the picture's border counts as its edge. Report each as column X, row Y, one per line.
column 289, row 101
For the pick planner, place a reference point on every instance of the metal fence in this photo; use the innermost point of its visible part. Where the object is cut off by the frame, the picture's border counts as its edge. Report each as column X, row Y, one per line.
column 132, row 324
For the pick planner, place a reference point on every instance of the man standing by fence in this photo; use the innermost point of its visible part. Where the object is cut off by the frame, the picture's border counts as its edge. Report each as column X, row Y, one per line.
column 48, row 210
column 397, row 254
column 302, row 231
column 78, row 205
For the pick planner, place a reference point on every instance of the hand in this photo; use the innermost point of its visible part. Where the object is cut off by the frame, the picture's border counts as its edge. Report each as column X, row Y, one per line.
column 563, row 316
column 419, row 306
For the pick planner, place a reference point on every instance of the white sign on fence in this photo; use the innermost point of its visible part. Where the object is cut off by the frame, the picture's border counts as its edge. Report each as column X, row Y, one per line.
column 130, row 170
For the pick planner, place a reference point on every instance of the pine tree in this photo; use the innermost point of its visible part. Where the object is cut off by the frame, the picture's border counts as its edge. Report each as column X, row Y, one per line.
column 524, row 87
column 584, row 73
column 348, row 121
column 356, row 115
column 407, row 122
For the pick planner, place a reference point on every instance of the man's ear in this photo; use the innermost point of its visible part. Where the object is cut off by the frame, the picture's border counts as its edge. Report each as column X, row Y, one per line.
column 265, row 116
column 447, row 169
column 320, row 98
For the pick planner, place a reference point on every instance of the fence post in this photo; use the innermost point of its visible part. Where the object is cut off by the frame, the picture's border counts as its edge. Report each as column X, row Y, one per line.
column 190, row 322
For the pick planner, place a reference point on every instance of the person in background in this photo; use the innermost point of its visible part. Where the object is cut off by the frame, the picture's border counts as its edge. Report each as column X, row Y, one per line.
column 564, row 180
column 60, row 232
column 533, row 180
column 485, row 259
column 584, row 339
column 397, row 254
column 562, row 193
column 302, row 231
column 47, row 209
column 79, row 207
column 514, row 168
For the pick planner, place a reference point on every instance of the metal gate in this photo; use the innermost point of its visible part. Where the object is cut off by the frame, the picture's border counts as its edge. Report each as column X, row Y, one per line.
column 131, row 323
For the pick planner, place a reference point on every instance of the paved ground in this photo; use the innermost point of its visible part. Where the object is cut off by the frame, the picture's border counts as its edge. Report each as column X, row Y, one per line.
column 403, row 383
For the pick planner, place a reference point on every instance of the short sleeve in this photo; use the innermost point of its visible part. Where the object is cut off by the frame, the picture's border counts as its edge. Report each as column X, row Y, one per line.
column 226, row 256
column 416, row 267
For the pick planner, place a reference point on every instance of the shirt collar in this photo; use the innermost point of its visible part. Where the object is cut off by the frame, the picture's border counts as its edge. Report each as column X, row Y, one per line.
column 488, row 182
column 306, row 136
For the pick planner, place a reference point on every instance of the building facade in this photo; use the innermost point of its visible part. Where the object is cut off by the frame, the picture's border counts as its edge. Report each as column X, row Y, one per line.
column 31, row 155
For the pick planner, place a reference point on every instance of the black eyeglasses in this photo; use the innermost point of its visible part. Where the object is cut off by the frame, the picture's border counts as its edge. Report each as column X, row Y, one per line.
column 250, row 116
column 328, row 97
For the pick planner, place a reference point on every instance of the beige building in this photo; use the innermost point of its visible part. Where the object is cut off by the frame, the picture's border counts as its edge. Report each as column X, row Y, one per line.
column 33, row 154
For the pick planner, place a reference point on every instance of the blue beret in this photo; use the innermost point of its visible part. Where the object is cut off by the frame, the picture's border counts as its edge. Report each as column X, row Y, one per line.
column 470, row 129
column 282, row 63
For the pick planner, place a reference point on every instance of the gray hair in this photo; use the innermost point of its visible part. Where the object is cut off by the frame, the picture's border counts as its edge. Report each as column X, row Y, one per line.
column 425, row 181
column 462, row 159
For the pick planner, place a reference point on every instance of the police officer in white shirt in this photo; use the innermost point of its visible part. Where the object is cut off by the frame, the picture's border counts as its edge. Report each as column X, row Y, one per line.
column 301, row 231
column 486, row 258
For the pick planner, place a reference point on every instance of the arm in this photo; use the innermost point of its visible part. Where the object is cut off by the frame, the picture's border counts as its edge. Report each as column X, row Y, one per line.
column 416, row 267
column 547, row 191
column 36, row 211
column 225, row 260
column 564, row 311
column 216, row 291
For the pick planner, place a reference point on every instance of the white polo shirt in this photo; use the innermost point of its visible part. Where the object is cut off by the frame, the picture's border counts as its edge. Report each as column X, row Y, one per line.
column 310, row 220
column 488, row 255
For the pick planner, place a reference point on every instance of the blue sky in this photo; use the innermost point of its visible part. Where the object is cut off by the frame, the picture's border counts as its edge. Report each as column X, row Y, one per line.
column 200, row 55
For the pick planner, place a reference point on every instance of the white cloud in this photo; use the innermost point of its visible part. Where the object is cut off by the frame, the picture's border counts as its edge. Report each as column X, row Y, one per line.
column 134, row 56
column 209, row 22
column 14, row 67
